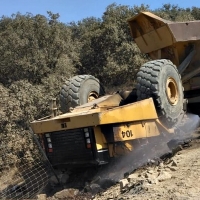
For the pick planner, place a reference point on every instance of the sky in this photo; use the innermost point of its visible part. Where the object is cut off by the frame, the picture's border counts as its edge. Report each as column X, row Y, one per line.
column 75, row 10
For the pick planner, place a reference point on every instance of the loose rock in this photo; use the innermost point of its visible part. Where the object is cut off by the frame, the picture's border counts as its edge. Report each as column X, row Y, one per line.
column 42, row 197
column 132, row 177
column 164, row 176
column 123, row 184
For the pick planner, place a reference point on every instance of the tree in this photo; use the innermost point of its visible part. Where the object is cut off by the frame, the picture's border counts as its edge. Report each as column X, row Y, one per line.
column 195, row 12
column 174, row 13
column 32, row 47
column 108, row 51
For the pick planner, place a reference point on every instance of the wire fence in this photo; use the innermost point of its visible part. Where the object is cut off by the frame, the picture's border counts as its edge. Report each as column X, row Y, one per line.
column 24, row 171
column 22, row 174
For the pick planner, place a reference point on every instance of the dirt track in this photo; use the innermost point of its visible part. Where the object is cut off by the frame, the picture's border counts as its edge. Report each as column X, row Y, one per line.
column 176, row 178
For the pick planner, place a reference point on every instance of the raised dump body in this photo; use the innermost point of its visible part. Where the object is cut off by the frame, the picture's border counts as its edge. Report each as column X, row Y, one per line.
column 176, row 41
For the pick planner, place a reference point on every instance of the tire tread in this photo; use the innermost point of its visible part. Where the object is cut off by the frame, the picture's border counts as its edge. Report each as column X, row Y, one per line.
column 147, row 84
column 69, row 94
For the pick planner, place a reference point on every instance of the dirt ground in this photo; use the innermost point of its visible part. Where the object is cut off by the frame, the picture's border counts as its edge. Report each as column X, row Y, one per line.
column 175, row 177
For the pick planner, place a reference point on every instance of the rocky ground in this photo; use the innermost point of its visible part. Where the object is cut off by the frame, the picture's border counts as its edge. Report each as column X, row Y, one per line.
column 174, row 176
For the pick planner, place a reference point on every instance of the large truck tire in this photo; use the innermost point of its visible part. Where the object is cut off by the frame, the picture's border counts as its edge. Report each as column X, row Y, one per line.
column 160, row 80
column 79, row 90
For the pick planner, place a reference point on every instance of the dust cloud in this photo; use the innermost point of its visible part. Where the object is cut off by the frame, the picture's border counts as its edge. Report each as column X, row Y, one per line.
column 150, row 153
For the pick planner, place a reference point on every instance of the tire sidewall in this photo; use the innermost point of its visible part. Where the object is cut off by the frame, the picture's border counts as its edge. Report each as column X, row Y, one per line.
column 88, row 86
column 168, row 71
column 152, row 83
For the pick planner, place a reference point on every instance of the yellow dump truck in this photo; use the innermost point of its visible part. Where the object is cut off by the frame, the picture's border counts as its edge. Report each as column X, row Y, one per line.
column 95, row 127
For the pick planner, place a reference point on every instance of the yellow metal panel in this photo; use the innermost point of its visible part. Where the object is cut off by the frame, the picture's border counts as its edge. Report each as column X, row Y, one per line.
column 149, row 14
column 100, row 139
column 141, row 110
column 154, row 40
column 129, row 132
column 100, row 104
column 56, row 124
column 144, row 23
column 135, row 130
column 152, row 129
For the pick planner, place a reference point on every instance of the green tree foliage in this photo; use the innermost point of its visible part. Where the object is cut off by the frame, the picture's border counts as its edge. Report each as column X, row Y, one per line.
column 37, row 54
column 174, row 13
column 195, row 12
column 107, row 49
column 32, row 47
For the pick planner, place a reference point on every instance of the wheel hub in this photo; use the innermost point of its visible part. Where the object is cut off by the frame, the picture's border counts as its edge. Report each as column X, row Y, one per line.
column 172, row 91
column 92, row 96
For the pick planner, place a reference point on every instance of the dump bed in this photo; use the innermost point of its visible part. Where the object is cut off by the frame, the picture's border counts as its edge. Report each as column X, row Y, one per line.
column 163, row 39
column 176, row 41
column 152, row 33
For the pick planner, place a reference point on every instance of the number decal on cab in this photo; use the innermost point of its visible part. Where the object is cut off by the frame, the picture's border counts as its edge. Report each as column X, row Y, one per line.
column 127, row 133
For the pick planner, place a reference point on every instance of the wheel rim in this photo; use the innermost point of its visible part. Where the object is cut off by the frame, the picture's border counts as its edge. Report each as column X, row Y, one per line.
column 172, row 91
column 92, row 96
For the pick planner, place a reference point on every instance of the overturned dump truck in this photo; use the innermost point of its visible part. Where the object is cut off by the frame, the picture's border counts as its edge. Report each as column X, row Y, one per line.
column 94, row 127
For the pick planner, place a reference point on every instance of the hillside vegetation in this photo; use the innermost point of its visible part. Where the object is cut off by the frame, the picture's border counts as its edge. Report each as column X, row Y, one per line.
column 38, row 53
